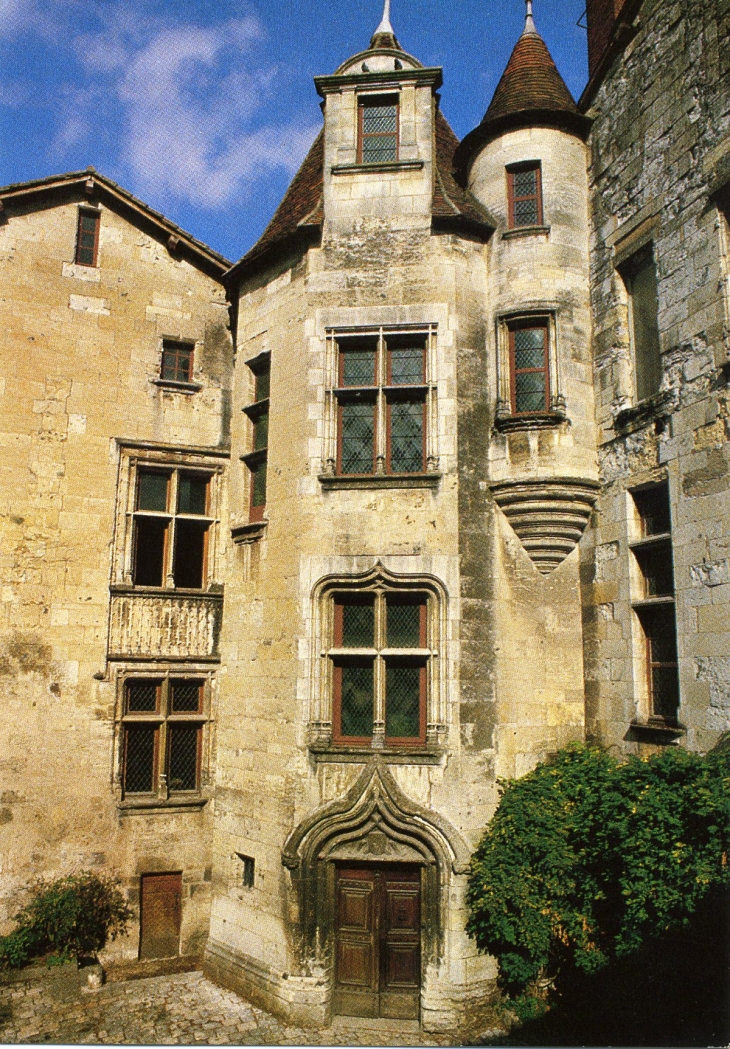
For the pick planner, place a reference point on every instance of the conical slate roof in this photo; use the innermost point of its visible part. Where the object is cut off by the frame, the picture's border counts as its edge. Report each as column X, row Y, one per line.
column 530, row 93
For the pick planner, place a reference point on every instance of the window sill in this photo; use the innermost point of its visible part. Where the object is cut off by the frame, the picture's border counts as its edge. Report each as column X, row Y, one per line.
column 650, row 410
column 650, row 540
column 214, row 593
column 150, row 806
column 406, row 755
column 538, row 421
column 249, row 532
column 177, row 387
column 652, row 602
column 525, row 231
column 386, row 165
column 655, row 730
column 331, row 482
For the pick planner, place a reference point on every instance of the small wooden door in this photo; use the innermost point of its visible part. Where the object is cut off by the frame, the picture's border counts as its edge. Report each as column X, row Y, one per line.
column 160, row 915
column 378, row 941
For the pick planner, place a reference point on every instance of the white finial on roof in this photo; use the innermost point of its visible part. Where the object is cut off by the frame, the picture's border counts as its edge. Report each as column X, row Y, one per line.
column 385, row 26
column 529, row 24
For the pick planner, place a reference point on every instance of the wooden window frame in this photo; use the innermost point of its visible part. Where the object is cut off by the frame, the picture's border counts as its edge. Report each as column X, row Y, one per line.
column 175, row 346
column 382, row 394
column 648, row 606
column 513, row 199
column 257, row 458
column 161, row 720
column 82, row 214
column 365, row 101
column 381, row 656
column 523, row 324
column 171, row 518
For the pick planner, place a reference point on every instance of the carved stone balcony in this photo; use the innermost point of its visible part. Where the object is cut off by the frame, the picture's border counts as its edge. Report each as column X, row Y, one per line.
column 149, row 624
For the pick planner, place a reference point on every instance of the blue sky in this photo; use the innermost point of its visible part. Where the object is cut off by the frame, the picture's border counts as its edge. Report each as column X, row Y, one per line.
column 205, row 109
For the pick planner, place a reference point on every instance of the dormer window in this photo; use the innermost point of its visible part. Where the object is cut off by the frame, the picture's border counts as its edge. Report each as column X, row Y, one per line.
column 524, row 190
column 377, row 129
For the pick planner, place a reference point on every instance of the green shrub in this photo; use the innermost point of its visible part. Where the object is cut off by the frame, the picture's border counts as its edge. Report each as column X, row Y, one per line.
column 587, row 856
column 72, row 917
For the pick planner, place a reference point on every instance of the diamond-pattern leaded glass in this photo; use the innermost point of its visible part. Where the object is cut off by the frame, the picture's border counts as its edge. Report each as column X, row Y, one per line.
column 358, row 364
column 358, row 625
column 406, row 436
column 530, row 392
column 404, row 624
column 356, row 704
column 406, row 366
column 142, row 696
column 525, row 183
column 139, row 754
column 402, row 701
column 526, row 213
column 185, row 696
column 529, row 348
column 358, row 434
column 379, row 149
column 183, row 757
column 379, row 119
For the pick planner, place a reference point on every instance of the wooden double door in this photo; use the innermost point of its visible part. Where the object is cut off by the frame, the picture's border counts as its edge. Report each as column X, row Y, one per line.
column 378, row 940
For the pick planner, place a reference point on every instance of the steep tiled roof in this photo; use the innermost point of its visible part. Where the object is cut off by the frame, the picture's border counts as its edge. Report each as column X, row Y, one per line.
column 75, row 185
column 530, row 93
column 300, row 215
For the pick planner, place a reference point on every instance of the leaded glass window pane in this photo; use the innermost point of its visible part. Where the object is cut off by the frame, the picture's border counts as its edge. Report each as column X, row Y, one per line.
column 526, row 213
column 358, row 625
column 192, row 495
column 406, row 366
column 525, row 183
column 86, row 246
column 142, row 696
column 152, row 490
column 379, row 149
column 406, row 436
column 403, row 701
column 530, row 391
column 139, row 764
column 183, row 757
column 529, row 348
column 378, row 119
column 258, row 487
column 358, row 436
column 185, row 696
column 357, row 366
column 356, row 706
column 404, row 624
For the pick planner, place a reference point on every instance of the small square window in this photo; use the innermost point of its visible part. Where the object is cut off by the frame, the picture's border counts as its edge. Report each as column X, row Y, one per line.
column 87, row 238
column 177, row 361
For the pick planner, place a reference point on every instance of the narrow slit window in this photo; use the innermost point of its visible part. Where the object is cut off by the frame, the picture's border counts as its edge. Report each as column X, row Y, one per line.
column 257, row 459
column 529, row 378
column 378, row 120
column 639, row 275
column 524, row 185
column 87, row 238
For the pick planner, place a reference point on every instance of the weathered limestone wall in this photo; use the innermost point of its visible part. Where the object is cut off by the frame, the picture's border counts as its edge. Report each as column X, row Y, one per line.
column 659, row 143
column 81, row 350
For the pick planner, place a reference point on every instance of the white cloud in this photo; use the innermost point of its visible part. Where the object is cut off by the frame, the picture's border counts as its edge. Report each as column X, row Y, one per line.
column 193, row 102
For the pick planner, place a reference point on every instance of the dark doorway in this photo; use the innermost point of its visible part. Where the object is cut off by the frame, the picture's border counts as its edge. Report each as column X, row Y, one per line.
column 378, row 941
column 160, row 915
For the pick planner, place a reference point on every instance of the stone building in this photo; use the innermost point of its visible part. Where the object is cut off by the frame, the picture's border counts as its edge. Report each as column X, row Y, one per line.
column 301, row 554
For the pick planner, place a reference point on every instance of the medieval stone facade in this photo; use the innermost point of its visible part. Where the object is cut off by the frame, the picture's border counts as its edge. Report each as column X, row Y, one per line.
column 300, row 555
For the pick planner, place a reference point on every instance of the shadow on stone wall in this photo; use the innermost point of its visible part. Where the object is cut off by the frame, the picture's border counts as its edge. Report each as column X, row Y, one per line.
column 673, row 992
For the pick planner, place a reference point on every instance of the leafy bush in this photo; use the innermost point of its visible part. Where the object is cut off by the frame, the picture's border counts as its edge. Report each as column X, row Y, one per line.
column 587, row 857
column 70, row 917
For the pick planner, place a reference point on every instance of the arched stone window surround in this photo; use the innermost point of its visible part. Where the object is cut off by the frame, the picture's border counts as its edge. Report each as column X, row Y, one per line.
column 377, row 579
column 374, row 821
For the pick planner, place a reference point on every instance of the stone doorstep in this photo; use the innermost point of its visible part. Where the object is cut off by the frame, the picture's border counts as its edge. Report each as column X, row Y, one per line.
column 120, row 972
column 342, row 1024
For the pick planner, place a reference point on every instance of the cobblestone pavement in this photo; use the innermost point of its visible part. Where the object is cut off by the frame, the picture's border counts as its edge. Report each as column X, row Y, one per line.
column 184, row 1008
